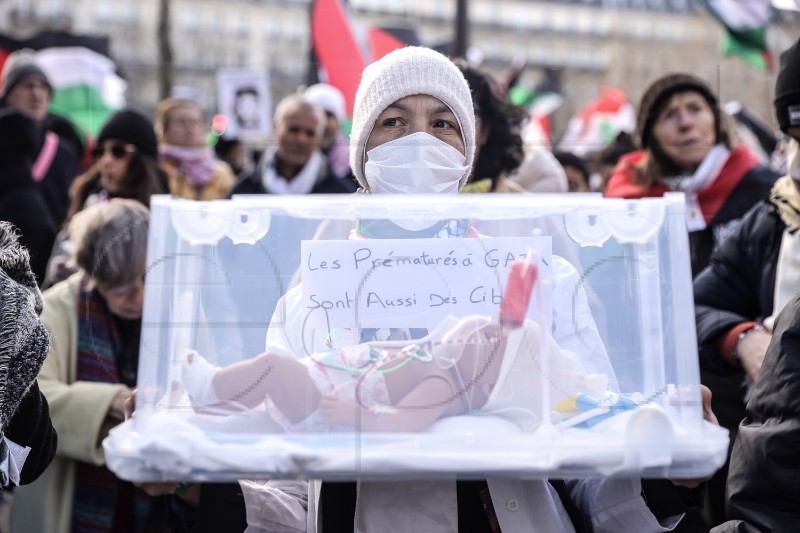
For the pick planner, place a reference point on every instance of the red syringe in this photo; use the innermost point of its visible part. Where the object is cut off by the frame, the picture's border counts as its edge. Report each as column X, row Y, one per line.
column 517, row 296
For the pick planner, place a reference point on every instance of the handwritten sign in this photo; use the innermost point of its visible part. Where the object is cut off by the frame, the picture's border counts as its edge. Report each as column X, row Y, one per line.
column 416, row 283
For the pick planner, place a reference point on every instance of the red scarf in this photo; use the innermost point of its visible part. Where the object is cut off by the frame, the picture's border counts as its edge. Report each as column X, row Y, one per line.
column 623, row 181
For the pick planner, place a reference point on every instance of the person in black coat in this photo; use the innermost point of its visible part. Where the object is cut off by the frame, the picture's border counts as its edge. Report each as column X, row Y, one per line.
column 27, row 438
column 26, row 88
column 762, row 480
column 754, row 272
column 22, row 201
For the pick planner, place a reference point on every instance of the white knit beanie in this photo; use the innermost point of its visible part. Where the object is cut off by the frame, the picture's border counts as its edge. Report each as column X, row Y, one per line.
column 328, row 97
column 405, row 72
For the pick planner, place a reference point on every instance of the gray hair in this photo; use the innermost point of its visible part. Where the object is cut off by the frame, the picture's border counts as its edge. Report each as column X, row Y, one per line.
column 111, row 242
column 297, row 101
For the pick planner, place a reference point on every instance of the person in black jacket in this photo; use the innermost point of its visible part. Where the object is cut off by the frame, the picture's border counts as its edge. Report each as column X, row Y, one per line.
column 296, row 165
column 22, row 201
column 754, row 273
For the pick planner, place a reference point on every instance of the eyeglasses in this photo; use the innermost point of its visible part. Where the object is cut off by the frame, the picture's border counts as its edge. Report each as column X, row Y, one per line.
column 118, row 150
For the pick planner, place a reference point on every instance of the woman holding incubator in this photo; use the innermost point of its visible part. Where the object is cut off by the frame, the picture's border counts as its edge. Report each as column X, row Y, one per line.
column 414, row 132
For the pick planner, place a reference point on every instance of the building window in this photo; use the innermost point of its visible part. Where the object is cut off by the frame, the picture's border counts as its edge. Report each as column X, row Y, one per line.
column 217, row 22
column 680, row 5
column 584, row 23
column 189, row 20
column 241, row 59
column 561, row 21
column 644, row 29
column 131, row 14
column 274, row 27
column 242, row 25
column 103, row 12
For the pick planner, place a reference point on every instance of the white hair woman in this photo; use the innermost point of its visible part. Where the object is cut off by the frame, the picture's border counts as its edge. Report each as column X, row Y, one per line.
column 95, row 320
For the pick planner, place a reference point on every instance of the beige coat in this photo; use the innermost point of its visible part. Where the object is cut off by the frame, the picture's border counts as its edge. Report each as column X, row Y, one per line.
column 78, row 410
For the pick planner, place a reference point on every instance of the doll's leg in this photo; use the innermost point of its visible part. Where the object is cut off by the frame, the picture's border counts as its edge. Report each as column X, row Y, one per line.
column 284, row 379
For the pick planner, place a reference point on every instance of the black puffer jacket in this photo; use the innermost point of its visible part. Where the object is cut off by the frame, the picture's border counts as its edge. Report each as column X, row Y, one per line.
column 763, row 478
column 739, row 283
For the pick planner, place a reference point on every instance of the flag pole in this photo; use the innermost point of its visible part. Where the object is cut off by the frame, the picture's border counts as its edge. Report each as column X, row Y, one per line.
column 461, row 41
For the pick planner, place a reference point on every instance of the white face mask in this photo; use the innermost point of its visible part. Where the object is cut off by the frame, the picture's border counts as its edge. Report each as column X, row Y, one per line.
column 417, row 163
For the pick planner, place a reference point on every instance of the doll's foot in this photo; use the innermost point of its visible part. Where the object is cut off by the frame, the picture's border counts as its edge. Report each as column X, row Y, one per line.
column 197, row 375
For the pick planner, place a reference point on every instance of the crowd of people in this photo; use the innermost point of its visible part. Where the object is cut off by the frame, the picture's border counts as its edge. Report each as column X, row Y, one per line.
column 81, row 229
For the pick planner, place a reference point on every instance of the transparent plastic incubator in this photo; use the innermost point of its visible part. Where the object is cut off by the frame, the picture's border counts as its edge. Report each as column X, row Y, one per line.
column 381, row 337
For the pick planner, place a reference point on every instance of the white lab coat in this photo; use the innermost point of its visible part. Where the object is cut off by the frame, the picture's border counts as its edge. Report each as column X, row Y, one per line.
column 521, row 505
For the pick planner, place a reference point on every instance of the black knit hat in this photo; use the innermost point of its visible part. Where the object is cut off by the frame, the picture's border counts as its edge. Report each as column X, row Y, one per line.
column 787, row 89
column 132, row 127
column 18, row 137
column 657, row 95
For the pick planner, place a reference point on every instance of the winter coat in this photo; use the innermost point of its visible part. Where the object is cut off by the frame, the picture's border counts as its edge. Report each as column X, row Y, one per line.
column 762, row 481
column 79, row 415
column 739, row 283
column 22, row 203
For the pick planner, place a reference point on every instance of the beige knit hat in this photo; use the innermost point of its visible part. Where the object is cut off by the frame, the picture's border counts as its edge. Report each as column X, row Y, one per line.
column 405, row 72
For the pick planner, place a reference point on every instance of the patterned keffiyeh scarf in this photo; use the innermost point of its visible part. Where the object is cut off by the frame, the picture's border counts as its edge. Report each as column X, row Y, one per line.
column 197, row 164
column 102, row 501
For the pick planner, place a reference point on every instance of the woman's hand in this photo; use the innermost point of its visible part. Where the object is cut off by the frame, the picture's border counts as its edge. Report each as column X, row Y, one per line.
column 708, row 414
column 116, row 410
column 130, row 405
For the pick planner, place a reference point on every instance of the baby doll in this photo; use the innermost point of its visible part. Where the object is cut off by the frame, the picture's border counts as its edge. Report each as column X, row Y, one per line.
column 467, row 366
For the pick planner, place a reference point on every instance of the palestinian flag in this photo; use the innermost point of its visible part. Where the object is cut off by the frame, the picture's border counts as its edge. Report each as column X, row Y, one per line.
column 381, row 41
column 340, row 49
column 86, row 86
column 540, row 102
column 599, row 122
column 337, row 52
column 745, row 23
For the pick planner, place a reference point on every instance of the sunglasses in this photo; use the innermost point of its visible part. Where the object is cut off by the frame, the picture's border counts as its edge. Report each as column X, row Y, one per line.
column 118, row 150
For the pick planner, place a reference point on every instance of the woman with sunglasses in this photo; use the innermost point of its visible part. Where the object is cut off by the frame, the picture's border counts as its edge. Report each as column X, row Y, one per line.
column 125, row 166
